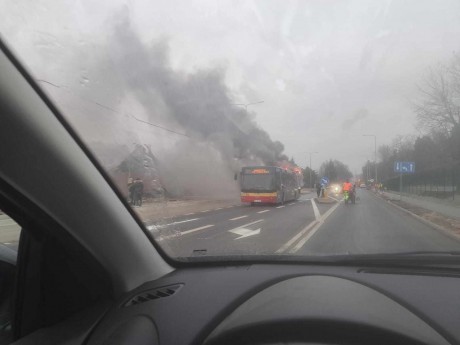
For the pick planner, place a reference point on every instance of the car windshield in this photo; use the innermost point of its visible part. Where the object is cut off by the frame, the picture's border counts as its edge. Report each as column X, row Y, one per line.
column 271, row 128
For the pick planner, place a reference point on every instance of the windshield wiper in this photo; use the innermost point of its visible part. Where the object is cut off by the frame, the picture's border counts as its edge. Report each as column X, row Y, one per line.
column 408, row 254
column 414, row 258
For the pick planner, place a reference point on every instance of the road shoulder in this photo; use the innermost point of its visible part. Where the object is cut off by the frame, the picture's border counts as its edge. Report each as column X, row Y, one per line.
column 446, row 225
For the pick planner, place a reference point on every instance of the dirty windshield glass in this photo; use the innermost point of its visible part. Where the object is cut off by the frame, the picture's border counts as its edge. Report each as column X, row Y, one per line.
column 274, row 127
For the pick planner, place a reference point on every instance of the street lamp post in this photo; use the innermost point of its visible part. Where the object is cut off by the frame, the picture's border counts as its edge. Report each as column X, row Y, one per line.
column 245, row 105
column 375, row 153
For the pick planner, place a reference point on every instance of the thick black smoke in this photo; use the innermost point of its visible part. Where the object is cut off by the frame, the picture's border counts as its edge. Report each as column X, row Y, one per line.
column 134, row 85
column 199, row 102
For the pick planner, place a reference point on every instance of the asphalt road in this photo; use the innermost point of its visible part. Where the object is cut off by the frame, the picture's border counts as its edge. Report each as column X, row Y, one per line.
column 372, row 226
column 303, row 227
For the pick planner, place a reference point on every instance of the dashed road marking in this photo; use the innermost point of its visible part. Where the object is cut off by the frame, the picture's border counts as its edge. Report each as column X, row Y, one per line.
column 315, row 209
column 205, row 211
column 280, row 206
column 152, row 227
column 245, row 225
column 189, row 214
column 196, row 229
column 315, row 228
column 296, row 237
column 238, row 217
column 263, row 211
column 245, row 232
column 184, row 221
column 308, row 232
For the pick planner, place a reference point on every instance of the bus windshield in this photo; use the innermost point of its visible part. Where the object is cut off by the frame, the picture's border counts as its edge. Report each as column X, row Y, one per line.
column 264, row 182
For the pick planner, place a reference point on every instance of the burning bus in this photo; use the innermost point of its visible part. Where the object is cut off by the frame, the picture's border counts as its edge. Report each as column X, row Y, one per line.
column 269, row 184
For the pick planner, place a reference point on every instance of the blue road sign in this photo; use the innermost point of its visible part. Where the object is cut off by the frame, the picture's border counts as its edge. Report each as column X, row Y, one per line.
column 404, row 167
column 324, row 181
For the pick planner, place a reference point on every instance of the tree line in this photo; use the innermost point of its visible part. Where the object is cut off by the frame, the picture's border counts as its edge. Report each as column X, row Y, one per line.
column 333, row 169
column 436, row 150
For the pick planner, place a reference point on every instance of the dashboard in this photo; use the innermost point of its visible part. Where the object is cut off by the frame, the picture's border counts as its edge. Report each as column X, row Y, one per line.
column 287, row 304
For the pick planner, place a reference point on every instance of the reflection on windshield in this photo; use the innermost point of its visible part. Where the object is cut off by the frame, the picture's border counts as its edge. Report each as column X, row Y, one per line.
column 176, row 101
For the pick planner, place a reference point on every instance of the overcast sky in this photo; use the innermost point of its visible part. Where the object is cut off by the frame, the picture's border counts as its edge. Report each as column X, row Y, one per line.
column 327, row 71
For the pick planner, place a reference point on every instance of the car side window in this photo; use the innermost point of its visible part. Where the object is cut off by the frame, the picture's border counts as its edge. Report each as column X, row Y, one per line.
column 9, row 242
column 9, row 232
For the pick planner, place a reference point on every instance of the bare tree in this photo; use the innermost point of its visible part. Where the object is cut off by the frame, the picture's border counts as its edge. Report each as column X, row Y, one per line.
column 438, row 107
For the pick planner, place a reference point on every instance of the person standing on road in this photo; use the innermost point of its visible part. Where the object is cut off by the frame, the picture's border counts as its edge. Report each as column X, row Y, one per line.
column 131, row 189
column 347, row 190
column 318, row 189
column 138, row 192
column 347, row 186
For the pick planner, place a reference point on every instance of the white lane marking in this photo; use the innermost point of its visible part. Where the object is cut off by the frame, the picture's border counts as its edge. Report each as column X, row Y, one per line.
column 333, row 198
column 306, row 231
column 315, row 210
column 296, row 237
column 152, row 227
column 263, row 211
column 196, row 229
column 184, row 221
column 245, row 232
column 238, row 218
column 246, row 225
column 292, row 203
column 205, row 211
column 189, row 214
column 220, row 208
column 301, row 243
column 280, row 206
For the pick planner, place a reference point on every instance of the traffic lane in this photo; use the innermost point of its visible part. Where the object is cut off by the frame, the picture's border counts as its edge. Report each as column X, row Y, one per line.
column 267, row 233
column 372, row 226
column 199, row 219
column 174, row 226
column 229, row 212
column 222, row 239
column 202, row 219
column 167, row 219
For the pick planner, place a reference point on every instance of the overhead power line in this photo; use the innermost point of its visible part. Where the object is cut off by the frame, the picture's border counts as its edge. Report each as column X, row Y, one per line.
column 111, row 109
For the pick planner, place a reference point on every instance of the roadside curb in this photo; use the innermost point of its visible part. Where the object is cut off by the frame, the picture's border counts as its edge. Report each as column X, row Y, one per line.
column 437, row 227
